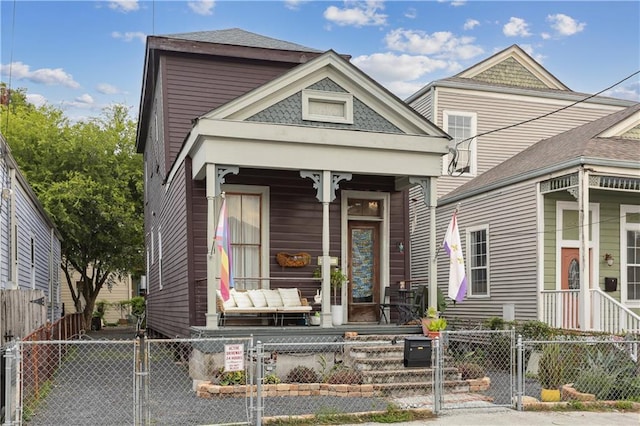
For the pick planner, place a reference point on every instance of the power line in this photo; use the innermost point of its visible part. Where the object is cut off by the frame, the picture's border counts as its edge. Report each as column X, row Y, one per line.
column 453, row 162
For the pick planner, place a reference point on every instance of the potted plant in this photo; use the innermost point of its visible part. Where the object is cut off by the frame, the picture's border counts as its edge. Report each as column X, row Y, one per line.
column 315, row 318
column 550, row 373
column 337, row 279
column 432, row 323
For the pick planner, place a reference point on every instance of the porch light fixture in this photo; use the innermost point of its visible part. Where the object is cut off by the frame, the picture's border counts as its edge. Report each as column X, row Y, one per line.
column 400, row 246
column 609, row 259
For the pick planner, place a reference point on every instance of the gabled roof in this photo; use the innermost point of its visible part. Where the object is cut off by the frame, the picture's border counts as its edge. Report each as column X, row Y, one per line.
column 513, row 67
column 353, row 80
column 612, row 140
column 239, row 37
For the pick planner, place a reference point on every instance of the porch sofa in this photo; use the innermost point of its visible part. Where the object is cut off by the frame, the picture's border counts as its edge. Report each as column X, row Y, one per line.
column 277, row 303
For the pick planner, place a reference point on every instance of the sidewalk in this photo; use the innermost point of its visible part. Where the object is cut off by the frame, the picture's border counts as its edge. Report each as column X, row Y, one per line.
column 508, row 417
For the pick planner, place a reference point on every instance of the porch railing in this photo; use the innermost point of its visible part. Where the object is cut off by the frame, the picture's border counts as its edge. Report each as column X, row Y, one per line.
column 560, row 309
column 612, row 316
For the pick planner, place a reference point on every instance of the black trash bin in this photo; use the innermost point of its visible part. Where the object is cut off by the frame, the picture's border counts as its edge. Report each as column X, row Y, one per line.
column 417, row 351
column 96, row 323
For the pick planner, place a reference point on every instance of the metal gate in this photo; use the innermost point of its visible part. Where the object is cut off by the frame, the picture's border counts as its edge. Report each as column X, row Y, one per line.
column 136, row 382
column 475, row 369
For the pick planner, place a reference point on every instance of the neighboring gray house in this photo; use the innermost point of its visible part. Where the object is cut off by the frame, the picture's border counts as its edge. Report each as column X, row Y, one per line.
column 480, row 108
column 556, row 229
column 29, row 241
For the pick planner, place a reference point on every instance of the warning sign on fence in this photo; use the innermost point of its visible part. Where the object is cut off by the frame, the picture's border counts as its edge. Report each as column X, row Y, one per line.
column 234, row 357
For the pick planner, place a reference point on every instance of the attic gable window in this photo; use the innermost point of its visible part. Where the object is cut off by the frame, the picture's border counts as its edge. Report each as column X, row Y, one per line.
column 329, row 107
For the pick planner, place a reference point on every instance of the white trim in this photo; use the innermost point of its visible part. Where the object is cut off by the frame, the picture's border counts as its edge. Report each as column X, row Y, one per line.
column 622, row 127
column 160, row 259
column 469, row 230
column 533, row 98
column 624, row 227
column 345, row 195
column 265, row 247
column 328, row 99
column 473, row 166
column 594, row 243
column 540, row 245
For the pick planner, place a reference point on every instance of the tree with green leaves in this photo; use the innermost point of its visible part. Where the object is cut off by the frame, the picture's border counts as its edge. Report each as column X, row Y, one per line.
column 89, row 179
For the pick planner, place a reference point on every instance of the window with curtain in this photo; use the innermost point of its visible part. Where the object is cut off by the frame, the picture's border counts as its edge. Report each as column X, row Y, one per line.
column 633, row 265
column 478, row 262
column 462, row 128
column 245, row 233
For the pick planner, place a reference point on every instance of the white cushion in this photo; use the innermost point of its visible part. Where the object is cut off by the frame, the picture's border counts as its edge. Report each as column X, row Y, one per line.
column 242, row 299
column 230, row 302
column 290, row 296
column 273, row 298
column 257, row 298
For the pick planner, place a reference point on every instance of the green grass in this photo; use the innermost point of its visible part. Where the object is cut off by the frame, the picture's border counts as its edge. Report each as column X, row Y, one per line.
column 333, row 417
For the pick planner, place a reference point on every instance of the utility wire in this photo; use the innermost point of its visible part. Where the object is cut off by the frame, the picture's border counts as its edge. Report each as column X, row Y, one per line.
column 453, row 162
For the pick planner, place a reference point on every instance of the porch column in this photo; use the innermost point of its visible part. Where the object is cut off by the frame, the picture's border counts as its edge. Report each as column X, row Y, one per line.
column 326, row 259
column 583, row 223
column 433, row 267
column 212, row 259
column 215, row 179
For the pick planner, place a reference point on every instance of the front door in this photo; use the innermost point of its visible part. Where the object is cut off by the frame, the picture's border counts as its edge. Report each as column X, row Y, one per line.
column 570, row 280
column 363, row 291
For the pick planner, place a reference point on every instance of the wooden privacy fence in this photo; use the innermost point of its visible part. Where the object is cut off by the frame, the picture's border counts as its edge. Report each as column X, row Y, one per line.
column 19, row 316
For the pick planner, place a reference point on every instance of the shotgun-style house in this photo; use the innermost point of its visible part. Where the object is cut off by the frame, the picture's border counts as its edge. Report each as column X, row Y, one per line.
column 555, row 230
column 492, row 110
column 314, row 160
column 29, row 255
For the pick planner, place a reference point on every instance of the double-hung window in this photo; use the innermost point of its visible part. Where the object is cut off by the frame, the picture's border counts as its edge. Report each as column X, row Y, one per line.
column 478, row 255
column 630, row 255
column 462, row 127
column 248, row 231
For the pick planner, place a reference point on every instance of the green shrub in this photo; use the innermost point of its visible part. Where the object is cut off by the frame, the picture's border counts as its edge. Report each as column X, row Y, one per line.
column 550, row 367
column 271, row 379
column 302, row 374
column 609, row 374
column 229, row 378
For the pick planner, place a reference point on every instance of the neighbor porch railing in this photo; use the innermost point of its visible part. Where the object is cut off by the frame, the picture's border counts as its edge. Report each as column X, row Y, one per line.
column 560, row 309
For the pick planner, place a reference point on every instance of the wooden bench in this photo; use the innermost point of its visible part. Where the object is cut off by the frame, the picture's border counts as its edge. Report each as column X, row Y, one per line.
column 276, row 303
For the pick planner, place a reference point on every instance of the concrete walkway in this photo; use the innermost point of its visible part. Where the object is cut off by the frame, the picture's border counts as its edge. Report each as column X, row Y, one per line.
column 508, row 417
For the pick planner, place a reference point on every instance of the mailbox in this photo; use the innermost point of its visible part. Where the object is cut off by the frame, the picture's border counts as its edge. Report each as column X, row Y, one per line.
column 417, row 351
column 610, row 284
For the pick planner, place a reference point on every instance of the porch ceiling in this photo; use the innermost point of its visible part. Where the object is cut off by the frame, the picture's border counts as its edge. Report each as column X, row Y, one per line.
column 274, row 146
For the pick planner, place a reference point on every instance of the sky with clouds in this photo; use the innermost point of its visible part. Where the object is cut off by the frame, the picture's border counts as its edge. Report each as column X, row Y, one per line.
column 85, row 55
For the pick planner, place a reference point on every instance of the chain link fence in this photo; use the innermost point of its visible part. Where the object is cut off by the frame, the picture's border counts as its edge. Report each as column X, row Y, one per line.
column 578, row 368
column 236, row 381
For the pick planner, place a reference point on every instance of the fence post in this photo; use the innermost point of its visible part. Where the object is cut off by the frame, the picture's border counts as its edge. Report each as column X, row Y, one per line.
column 141, row 387
column 437, row 373
column 9, row 395
column 519, row 374
column 259, row 369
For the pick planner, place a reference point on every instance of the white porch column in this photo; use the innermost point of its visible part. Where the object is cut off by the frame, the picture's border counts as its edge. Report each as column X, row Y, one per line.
column 326, row 260
column 212, row 259
column 433, row 267
column 583, row 223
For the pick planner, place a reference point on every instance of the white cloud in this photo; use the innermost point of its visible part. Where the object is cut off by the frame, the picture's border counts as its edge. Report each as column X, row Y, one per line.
column 471, row 24
column 293, row 4
column 124, row 5
column 545, row 36
column 48, row 76
column 358, row 15
column 516, row 27
column 128, row 36
column 107, row 89
column 529, row 49
column 456, row 3
column 36, row 99
column 630, row 91
column 565, row 25
column 443, row 44
column 202, row 7
column 85, row 99
column 411, row 13
column 389, row 67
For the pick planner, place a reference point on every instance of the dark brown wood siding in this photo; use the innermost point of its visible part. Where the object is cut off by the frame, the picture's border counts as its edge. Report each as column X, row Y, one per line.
column 296, row 226
column 194, row 85
column 168, row 307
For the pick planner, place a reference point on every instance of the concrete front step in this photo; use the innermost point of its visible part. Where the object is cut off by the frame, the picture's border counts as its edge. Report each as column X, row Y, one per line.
column 407, row 375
